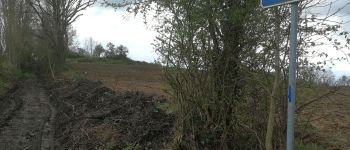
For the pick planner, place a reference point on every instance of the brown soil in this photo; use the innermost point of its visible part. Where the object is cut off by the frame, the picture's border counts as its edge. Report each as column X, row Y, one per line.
column 81, row 114
column 91, row 116
column 87, row 113
column 125, row 77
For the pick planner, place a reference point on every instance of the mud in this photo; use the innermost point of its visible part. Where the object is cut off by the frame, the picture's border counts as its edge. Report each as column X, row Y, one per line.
column 91, row 116
column 81, row 115
column 27, row 119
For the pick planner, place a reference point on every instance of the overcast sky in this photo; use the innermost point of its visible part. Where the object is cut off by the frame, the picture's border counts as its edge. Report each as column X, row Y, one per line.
column 343, row 67
column 107, row 25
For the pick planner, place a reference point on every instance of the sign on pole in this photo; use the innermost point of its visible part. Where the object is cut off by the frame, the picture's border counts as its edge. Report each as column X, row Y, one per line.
column 271, row 3
column 292, row 64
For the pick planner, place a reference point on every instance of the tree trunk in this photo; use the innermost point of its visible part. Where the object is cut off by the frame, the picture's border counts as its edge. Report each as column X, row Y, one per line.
column 273, row 95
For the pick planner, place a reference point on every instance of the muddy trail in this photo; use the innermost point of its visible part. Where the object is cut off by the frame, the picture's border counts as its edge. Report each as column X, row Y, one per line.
column 26, row 119
column 81, row 114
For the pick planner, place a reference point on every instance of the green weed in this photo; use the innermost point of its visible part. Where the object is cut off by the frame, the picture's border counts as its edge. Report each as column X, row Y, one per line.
column 311, row 146
column 166, row 107
column 132, row 147
column 72, row 74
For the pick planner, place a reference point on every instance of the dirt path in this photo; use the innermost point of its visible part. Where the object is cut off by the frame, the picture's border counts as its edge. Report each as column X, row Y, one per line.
column 30, row 127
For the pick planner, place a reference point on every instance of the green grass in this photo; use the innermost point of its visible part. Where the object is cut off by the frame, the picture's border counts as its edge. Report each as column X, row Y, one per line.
column 132, row 147
column 4, row 84
column 116, row 60
column 310, row 146
column 71, row 54
column 166, row 107
column 103, row 60
column 8, row 76
column 29, row 75
column 73, row 74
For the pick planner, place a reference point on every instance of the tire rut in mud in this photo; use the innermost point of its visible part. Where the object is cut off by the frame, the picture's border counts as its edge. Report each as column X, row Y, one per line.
column 29, row 127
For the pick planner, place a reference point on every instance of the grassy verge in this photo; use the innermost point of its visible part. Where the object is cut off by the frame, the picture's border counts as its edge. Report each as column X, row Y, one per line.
column 71, row 73
column 120, row 77
column 310, row 146
column 117, row 60
column 8, row 77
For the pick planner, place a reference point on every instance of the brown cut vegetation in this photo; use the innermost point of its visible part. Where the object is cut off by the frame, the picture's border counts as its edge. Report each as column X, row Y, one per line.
column 91, row 116
column 327, row 120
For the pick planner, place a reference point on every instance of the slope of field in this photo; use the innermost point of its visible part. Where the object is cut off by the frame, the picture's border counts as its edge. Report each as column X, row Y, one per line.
column 328, row 120
column 334, row 127
column 125, row 77
column 325, row 122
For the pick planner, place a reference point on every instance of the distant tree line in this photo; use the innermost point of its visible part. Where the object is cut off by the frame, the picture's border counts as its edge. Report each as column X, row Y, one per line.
column 343, row 81
column 323, row 77
column 95, row 49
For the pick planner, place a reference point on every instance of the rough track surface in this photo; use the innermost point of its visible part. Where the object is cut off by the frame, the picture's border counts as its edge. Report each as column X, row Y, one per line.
column 29, row 127
column 93, row 117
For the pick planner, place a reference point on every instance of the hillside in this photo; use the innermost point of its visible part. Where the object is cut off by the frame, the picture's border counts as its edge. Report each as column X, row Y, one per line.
column 124, row 77
column 325, row 122
column 126, row 105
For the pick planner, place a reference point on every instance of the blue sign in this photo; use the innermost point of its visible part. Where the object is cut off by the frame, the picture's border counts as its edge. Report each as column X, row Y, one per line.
column 271, row 3
column 289, row 94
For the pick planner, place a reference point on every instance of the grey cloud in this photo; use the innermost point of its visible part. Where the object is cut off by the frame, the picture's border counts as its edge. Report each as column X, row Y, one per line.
column 331, row 7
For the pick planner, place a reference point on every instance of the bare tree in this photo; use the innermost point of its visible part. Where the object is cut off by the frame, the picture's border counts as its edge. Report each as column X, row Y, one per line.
column 2, row 43
column 89, row 45
column 73, row 42
column 55, row 17
column 15, row 24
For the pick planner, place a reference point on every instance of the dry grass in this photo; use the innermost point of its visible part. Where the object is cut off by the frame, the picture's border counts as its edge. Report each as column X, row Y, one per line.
column 104, row 134
column 125, row 77
column 330, row 120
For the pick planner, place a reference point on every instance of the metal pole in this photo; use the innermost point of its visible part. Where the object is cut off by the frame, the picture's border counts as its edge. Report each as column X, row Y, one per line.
column 292, row 76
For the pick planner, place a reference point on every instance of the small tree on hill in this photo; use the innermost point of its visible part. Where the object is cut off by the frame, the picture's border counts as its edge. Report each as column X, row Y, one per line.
column 82, row 52
column 98, row 50
column 111, row 50
column 122, row 51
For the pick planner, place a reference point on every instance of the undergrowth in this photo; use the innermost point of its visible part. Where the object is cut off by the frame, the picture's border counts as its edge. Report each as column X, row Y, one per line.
column 309, row 146
column 116, row 60
column 8, row 75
